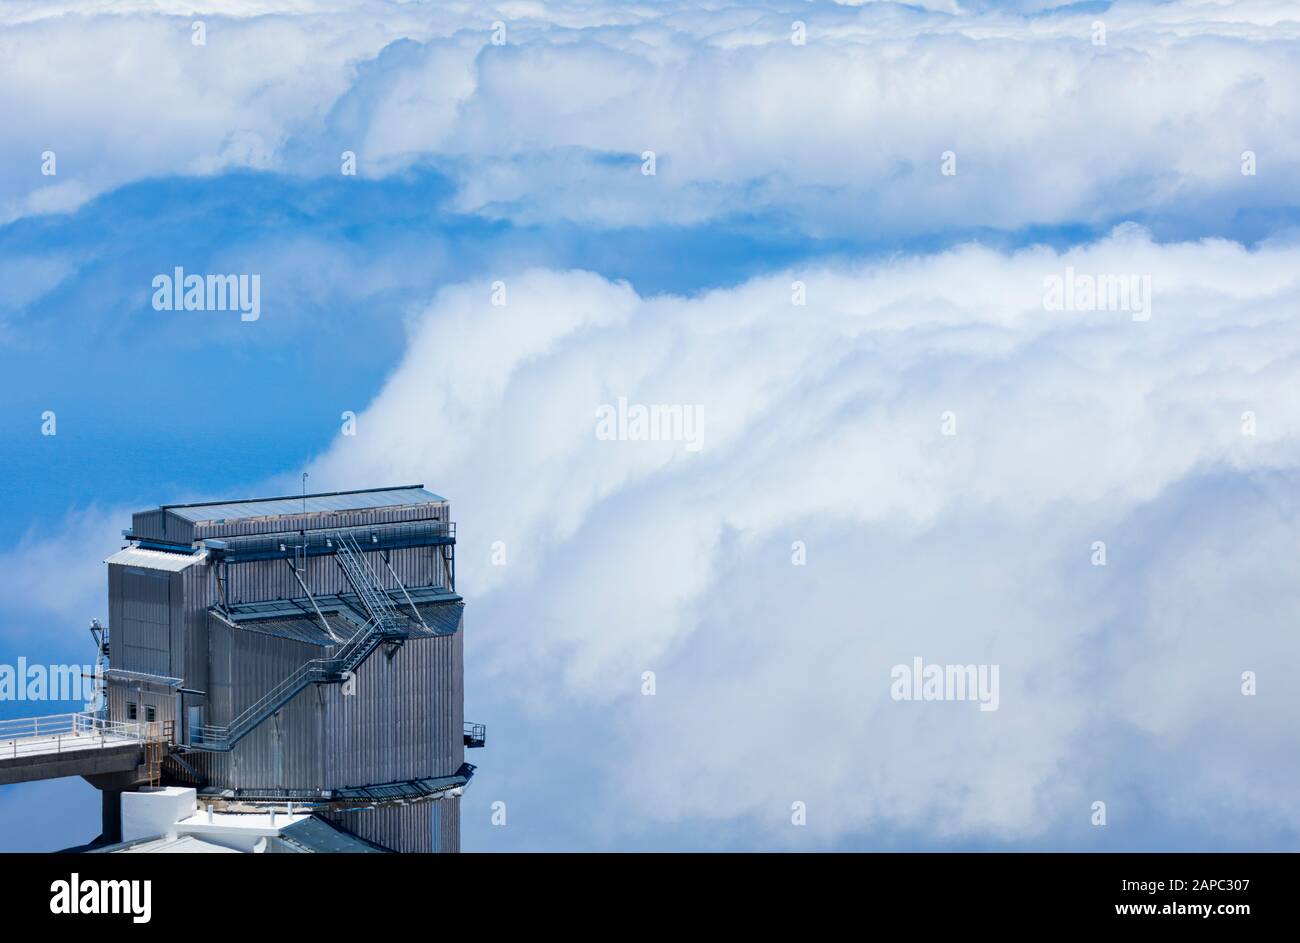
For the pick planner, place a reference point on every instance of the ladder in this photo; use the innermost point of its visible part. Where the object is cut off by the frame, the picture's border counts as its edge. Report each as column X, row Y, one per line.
column 160, row 736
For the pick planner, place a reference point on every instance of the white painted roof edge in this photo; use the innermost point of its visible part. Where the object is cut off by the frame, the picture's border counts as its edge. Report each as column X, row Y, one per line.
column 155, row 559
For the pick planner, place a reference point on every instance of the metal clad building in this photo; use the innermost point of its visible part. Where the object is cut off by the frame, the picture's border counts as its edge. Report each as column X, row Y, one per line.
column 308, row 649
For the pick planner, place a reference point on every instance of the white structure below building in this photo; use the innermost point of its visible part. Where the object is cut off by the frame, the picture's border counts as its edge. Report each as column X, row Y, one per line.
column 169, row 819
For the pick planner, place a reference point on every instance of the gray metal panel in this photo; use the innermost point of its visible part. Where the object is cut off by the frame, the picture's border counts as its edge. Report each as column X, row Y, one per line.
column 158, row 622
column 406, row 828
column 149, row 524
column 140, row 619
column 404, row 721
column 446, row 826
column 197, row 593
column 180, row 642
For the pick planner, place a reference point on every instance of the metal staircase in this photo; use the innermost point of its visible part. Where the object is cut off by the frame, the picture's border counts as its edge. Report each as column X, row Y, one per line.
column 384, row 624
column 380, row 609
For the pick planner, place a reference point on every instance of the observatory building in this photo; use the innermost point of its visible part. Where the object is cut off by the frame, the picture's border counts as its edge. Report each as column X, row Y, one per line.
column 300, row 656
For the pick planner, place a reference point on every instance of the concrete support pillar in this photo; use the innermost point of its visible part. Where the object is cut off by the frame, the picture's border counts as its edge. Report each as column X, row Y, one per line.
column 111, row 812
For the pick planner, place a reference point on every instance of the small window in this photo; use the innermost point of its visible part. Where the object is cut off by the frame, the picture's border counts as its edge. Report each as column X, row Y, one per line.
column 131, row 710
column 150, row 714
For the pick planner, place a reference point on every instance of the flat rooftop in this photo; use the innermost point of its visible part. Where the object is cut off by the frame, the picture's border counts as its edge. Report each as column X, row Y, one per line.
column 185, row 524
column 322, row 502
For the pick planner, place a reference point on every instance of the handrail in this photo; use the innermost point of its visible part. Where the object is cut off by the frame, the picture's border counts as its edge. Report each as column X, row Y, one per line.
column 322, row 542
column 371, row 593
column 73, row 731
column 475, row 735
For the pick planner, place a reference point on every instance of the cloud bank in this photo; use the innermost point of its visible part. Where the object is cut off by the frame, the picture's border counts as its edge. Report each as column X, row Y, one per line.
column 845, row 131
column 1172, row 440
column 905, row 457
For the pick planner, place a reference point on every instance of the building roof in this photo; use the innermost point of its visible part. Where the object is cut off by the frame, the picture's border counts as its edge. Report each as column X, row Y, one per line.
column 323, row 502
column 155, row 559
column 317, row 835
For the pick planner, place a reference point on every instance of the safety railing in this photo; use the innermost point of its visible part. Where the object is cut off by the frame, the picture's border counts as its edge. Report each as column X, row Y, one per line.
column 59, row 733
column 323, row 542
column 383, row 615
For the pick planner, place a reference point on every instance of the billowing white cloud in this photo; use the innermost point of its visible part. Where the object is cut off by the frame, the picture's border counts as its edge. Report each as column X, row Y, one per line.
column 58, row 580
column 1172, row 438
column 843, row 134
column 824, row 423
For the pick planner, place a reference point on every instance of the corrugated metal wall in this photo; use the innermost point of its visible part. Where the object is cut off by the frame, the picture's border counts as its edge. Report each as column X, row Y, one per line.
column 401, row 828
column 198, row 592
column 158, row 624
column 261, row 580
column 139, row 619
column 149, row 524
column 282, row 752
column 446, row 826
column 120, row 692
column 404, row 720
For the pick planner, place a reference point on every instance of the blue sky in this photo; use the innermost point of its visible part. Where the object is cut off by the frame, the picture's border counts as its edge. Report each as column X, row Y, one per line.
column 775, row 162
